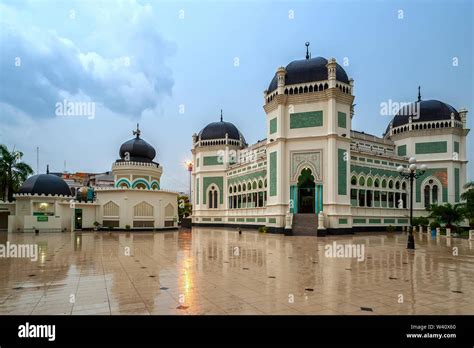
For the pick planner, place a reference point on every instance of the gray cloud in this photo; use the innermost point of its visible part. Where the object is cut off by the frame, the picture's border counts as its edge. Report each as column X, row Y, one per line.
column 128, row 81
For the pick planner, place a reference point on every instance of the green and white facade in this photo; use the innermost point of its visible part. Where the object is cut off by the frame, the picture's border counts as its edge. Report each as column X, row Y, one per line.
column 312, row 162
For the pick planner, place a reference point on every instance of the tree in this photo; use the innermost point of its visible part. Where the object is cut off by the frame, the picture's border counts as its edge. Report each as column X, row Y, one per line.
column 447, row 213
column 13, row 172
column 468, row 197
column 184, row 207
column 421, row 221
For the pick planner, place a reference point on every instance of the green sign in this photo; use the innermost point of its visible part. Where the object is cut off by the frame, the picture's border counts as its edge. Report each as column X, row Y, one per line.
column 42, row 218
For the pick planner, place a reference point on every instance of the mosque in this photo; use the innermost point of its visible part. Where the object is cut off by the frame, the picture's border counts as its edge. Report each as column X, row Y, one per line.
column 313, row 172
column 135, row 201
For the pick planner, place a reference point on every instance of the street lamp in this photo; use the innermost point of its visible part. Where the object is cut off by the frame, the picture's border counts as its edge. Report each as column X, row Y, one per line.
column 189, row 165
column 411, row 173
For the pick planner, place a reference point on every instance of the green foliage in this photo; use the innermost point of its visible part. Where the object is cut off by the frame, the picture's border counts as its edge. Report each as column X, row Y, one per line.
column 184, row 207
column 263, row 229
column 421, row 221
column 127, row 227
column 434, row 225
column 468, row 197
column 447, row 213
column 390, row 228
column 12, row 172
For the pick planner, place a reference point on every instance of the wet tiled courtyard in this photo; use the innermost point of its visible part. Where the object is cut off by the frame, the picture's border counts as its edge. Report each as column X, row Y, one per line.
column 218, row 271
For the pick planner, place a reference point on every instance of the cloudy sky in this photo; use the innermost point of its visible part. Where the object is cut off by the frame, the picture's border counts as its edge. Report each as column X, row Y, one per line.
column 171, row 66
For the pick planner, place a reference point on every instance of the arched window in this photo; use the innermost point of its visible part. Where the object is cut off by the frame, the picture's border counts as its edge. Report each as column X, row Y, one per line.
column 361, row 181
column 230, row 189
column 353, row 180
column 210, row 203
column 434, row 194
column 260, row 184
column 249, row 187
column 404, row 186
column 377, row 183
column 397, row 185
column 212, row 198
column 384, row 183
column 369, row 182
column 254, row 185
column 427, row 196
column 390, row 184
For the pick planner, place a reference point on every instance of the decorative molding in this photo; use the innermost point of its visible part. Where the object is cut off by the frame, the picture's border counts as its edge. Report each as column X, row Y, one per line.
column 306, row 159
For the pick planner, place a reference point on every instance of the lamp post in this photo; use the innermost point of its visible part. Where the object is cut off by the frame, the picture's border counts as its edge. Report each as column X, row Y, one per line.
column 411, row 173
column 189, row 165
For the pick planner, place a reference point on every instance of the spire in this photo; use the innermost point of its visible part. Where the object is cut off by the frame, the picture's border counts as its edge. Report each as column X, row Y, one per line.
column 308, row 55
column 419, row 93
column 47, row 169
column 221, row 115
column 137, row 132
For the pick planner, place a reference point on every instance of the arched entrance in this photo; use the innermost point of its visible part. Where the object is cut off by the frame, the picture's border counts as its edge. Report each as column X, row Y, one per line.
column 306, row 192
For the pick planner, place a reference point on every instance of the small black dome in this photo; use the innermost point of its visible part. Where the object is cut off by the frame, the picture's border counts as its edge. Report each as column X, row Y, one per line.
column 429, row 110
column 138, row 150
column 218, row 130
column 45, row 184
column 308, row 70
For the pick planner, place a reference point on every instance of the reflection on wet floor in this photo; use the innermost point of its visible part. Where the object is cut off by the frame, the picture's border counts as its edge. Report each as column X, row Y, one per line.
column 218, row 271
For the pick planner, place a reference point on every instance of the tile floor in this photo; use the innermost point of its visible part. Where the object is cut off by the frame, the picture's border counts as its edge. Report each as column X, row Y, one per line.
column 218, row 271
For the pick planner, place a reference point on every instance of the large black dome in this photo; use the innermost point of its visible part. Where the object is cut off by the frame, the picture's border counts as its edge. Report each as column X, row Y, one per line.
column 138, row 150
column 45, row 184
column 429, row 110
column 308, row 70
column 218, row 130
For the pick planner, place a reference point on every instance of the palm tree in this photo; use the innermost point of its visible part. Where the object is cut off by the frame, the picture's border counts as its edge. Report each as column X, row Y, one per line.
column 447, row 213
column 12, row 172
column 468, row 197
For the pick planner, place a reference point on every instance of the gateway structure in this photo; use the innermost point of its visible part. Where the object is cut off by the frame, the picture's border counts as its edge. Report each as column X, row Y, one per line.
column 136, row 201
column 313, row 164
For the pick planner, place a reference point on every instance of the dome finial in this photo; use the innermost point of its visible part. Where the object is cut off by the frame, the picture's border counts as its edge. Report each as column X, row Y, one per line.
column 47, row 169
column 137, row 132
column 308, row 55
column 419, row 93
column 221, row 115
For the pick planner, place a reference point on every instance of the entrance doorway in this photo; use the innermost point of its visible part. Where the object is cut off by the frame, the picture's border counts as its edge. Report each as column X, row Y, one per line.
column 77, row 219
column 4, row 220
column 306, row 192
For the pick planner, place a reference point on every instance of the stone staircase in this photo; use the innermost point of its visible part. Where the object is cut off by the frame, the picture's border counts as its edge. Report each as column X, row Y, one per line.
column 305, row 225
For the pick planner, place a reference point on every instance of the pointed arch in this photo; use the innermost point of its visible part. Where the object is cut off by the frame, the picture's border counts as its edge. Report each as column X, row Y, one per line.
column 143, row 209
